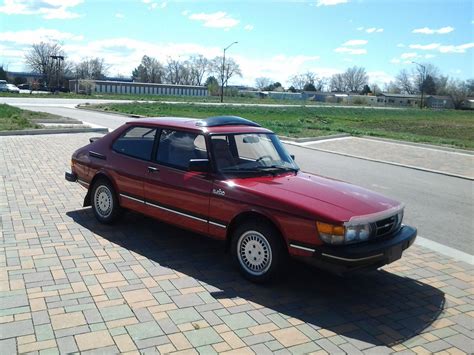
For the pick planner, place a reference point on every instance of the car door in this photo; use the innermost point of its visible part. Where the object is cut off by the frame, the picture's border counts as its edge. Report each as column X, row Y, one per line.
column 173, row 193
column 131, row 156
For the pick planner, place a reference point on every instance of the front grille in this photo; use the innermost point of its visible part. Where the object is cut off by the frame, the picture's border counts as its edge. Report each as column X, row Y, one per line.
column 385, row 227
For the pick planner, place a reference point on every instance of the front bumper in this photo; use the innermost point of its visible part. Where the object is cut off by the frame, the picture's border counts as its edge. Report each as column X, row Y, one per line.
column 372, row 255
column 72, row 177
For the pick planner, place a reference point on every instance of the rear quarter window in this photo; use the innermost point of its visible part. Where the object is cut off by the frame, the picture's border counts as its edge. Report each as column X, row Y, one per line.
column 136, row 142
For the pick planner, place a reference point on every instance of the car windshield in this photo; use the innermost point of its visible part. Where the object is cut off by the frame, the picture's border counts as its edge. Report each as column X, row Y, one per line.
column 251, row 153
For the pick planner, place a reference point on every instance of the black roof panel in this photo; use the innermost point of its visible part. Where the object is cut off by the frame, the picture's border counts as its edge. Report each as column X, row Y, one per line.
column 225, row 121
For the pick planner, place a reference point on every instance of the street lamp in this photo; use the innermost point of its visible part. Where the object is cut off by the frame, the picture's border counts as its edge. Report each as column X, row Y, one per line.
column 223, row 70
column 422, row 81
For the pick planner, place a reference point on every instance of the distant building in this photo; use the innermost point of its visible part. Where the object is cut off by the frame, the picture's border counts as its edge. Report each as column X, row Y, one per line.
column 468, row 104
column 400, row 100
column 434, row 101
column 135, row 88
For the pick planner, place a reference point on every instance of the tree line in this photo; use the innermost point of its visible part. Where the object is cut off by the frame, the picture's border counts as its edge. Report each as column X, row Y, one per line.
column 42, row 58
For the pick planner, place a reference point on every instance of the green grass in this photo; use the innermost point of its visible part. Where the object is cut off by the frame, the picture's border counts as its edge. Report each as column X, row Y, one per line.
column 13, row 118
column 135, row 97
column 441, row 127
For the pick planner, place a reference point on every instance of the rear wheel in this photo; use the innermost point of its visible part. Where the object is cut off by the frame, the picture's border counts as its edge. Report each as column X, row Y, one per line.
column 104, row 202
column 258, row 251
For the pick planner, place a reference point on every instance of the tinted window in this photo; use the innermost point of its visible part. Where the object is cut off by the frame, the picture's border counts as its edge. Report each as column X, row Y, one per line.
column 176, row 148
column 136, row 142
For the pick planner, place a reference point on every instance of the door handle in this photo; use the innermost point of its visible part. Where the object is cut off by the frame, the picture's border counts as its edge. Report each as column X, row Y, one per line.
column 152, row 169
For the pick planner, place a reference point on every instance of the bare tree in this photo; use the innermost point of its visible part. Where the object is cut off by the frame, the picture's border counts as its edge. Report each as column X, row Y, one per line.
column 355, row 78
column 337, row 83
column 459, row 91
column 40, row 60
column 199, row 66
column 91, row 68
column 231, row 69
column 405, row 82
column 320, row 83
column 298, row 81
column 392, row 88
column 262, row 82
column 150, row 70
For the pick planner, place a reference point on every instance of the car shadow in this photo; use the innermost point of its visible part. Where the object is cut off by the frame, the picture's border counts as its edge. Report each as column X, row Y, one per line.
column 377, row 308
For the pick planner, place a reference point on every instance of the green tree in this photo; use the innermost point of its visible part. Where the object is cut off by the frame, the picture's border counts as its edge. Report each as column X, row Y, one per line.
column 212, row 85
column 429, row 86
column 366, row 90
column 309, row 87
column 3, row 73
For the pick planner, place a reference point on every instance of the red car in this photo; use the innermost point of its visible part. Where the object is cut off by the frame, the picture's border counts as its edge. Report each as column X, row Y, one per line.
column 231, row 179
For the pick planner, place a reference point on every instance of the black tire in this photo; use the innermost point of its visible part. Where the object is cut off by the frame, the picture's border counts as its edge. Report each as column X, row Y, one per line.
column 104, row 202
column 265, row 241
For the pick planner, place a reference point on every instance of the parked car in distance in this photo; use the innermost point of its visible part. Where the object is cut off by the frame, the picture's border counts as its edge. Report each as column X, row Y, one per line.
column 233, row 180
column 12, row 88
column 3, row 86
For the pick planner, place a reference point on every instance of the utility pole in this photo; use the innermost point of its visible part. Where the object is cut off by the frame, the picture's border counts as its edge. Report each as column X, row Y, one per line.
column 423, row 73
column 223, row 70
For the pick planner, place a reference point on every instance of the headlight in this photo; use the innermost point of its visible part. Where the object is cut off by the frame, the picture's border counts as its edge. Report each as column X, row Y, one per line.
column 330, row 233
column 337, row 234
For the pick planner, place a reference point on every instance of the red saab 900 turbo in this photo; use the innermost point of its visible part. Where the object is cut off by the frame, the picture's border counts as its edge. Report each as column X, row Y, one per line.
column 231, row 179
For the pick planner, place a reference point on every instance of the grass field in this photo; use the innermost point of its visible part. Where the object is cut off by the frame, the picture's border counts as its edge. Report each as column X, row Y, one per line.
column 13, row 118
column 442, row 127
column 133, row 97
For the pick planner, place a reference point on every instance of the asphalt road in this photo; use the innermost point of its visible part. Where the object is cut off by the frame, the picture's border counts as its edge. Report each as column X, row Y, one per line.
column 441, row 207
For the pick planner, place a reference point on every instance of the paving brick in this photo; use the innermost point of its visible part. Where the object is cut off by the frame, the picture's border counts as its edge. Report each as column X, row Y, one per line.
column 184, row 315
column 238, row 321
column 68, row 320
column 116, row 312
column 67, row 345
column 200, row 337
column 16, row 329
column 94, row 340
column 144, row 330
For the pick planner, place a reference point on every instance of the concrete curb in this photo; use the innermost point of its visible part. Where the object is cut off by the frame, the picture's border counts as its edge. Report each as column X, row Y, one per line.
column 27, row 132
column 445, row 250
column 387, row 162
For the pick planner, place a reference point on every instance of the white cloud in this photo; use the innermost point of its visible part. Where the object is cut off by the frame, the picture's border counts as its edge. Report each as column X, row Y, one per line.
column 430, row 31
column 395, row 61
column 353, row 51
column 425, row 47
column 409, row 55
column 400, row 45
column 38, row 35
column 185, row 13
column 48, row 9
column 330, row 2
column 119, row 15
column 456, row 49
column 428, row 56
column 218, row 19
column 360, row 28
column 374, row 29
column 443, row 48
column 355, row 42
column 248, row 27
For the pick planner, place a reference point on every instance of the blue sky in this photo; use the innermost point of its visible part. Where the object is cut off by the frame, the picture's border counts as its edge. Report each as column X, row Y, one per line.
column 277, row 39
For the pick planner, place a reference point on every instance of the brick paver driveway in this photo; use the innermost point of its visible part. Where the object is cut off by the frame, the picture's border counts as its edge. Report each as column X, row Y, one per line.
column 69, row 284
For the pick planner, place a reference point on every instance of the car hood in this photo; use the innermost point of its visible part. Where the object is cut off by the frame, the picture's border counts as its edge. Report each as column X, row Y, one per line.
column 316, row 195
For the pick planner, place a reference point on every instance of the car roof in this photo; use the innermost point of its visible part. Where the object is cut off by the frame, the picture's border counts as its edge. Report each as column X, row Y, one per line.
column 217, row 124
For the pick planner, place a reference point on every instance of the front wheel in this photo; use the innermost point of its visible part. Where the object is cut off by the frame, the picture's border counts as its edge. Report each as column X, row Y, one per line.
column 258, row 251
column 104, row 202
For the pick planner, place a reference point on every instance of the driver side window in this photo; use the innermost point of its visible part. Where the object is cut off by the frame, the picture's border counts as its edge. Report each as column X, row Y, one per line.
column 176, row 148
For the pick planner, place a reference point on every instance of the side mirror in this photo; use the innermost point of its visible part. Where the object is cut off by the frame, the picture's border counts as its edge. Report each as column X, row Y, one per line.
column 292, row 157
column 199, row 165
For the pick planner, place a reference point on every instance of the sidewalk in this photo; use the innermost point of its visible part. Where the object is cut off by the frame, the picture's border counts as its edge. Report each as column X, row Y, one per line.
column 419, row 156
column 69, row 284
